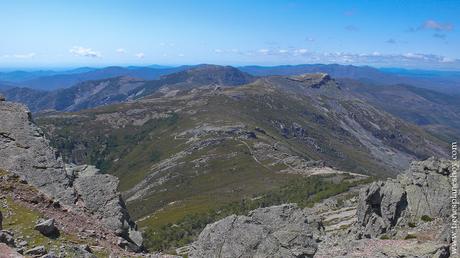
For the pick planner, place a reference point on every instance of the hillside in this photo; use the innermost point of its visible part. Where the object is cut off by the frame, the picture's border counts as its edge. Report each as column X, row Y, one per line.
column 178, row 152
column 436, row 112
column 52, row 80
column 93, row 93
column 444, row 82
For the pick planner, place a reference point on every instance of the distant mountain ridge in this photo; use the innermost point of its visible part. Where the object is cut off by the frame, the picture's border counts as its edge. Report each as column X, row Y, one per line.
column 93, row 93
column 446, row 84
column 442, row 81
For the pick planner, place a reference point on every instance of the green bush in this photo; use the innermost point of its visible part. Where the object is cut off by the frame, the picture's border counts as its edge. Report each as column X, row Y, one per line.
column 410, row 236
column 384, row 237
column 412, row 225
column 426, row 218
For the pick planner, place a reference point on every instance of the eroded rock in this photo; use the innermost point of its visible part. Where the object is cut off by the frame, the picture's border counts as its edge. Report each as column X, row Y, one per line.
column 7, row 238
column 39, row 250
column 47, row 227
column 423, row 190
column 25, row 152
column 277, row 231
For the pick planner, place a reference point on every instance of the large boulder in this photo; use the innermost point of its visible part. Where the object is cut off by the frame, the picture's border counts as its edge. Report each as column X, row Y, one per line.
column 277, row 231
column 7, row 238
column 423, row 190
column 47, row 227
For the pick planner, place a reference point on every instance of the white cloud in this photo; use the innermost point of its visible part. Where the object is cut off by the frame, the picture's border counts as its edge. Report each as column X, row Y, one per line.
column 218, row 50
column 447, row 60
column 310, row 39
column 24, row 56
column 373, row 58
column 434, row 25
column 414, row 56
column 181, row 55
column 82, row 51
column 351, row 28
column 120, row 50
column 140, row 55
column 263, row 51
column 166, row 44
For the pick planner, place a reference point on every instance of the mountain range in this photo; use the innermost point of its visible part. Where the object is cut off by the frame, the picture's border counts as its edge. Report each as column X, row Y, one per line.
column 207, row 136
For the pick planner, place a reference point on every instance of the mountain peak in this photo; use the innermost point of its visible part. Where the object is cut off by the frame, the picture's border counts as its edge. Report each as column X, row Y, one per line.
column 210, row 74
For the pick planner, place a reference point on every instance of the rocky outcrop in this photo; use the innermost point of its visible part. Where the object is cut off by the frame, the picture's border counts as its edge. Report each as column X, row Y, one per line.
column 278, row 231
column 393, row 219
column 423, row 190
column 98, row 194
column 25, row 152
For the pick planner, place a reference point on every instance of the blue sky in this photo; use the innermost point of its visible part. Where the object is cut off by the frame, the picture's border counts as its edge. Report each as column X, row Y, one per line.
column 413, row 34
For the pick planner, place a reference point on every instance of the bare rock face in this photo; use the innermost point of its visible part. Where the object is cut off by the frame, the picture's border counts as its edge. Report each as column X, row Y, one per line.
column 423, row 190
column 277, row 231
column 25, row 152
column 98, row 194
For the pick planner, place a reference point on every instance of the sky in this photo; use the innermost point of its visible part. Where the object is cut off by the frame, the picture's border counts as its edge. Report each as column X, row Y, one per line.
column 408, row 34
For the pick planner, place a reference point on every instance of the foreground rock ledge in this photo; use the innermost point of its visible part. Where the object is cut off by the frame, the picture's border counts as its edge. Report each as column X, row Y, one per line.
column 25, row 151
column 387, row 213
column 278, row 231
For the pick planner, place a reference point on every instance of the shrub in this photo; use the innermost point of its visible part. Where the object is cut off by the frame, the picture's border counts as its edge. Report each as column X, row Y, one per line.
column 410, row 236
column 426, row 218
column 384, row 237
column 412, row 224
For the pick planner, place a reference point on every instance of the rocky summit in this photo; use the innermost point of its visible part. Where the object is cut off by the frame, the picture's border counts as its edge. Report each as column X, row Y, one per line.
column 25, row 152
column 402, row 217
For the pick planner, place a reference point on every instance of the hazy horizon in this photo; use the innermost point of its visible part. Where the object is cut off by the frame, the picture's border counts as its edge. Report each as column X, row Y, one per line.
column 419, row 35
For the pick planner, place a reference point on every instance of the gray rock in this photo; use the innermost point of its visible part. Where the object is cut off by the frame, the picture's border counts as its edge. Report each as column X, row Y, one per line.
column 50, row 255
column 2, row 98
column 25, row 152
column 99, row 195
column 7, row 238
column 278, row 231
column 39, row 250
column 82, row 251
column 127, row 245
column 422, row 190
column 47, row 227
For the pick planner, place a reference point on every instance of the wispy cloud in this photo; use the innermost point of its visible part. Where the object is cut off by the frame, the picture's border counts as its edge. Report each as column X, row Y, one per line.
column 86, row 52
column 19, row 56
column 140, row 55
column 410, row 59
column 391, row 41
column 24, row 56
column 349, row 12
column 264, row 51
column 351, row 28
column 120, row 50
column 439, row 35
column 438, row 26
column 309, row 39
